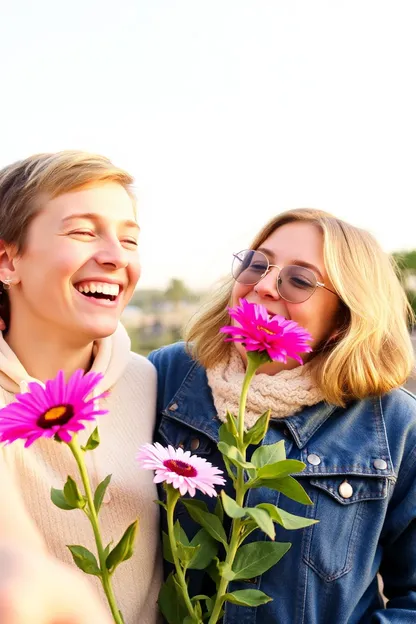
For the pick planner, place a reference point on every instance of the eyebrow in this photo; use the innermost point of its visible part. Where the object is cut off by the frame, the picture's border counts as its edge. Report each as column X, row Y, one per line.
column 91, row 216
column 301, row 263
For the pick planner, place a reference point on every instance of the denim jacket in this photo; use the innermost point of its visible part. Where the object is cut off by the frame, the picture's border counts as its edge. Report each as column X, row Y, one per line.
column 361, row 476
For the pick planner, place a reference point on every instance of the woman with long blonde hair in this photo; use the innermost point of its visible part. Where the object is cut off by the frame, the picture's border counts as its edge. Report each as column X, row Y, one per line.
column 343, row 413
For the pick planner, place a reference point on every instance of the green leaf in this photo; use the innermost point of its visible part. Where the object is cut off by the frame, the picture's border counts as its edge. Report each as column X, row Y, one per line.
column 180, row 534
column 107, row 549
column 85, row 560
column 231, row 508
column 248, row 597
column 209, row 521
column 195, row 504
column 285, row 519
column 186, row 553
column 207, row 551
column 257, row 557
column 256, row 433
column 263, row 520
column 234, row 455
column 225, row 436
column 269, row 454
column 171, row 602
column 287, row 486
column 212, row 571
column 58, row 499
column 231, row 469
column 158, row 502
column 231, row 424
column 280, row 469
column 72, row 494
column 93, row 441
column 124, row 549
column 100, row 492
column 167, row 550
column 219, row 511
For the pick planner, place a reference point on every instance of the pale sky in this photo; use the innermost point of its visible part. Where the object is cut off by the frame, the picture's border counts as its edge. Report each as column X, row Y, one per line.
column 225, row 111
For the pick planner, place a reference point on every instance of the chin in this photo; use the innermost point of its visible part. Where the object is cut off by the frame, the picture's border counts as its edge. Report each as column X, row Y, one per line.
column 100, row 330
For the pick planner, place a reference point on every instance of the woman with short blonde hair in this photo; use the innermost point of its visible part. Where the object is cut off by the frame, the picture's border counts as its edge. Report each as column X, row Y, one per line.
column 68, row 267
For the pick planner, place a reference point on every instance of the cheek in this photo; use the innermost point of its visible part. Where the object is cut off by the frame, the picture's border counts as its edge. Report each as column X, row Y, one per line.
column 239, row 291
column 134, row 272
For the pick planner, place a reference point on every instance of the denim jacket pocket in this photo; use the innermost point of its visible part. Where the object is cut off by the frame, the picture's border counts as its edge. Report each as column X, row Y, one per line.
column 341, row 504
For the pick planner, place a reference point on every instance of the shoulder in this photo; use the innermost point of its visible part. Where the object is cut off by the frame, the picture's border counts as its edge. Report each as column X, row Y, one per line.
column 399, row 408
column 174, row 365
column 139, row 370
column 174, row 357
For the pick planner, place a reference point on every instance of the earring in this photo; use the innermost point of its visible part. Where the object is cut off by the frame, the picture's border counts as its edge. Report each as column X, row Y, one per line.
column 7, row 283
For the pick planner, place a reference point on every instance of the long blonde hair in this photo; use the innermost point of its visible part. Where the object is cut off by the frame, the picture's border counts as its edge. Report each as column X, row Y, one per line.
column 372, row 350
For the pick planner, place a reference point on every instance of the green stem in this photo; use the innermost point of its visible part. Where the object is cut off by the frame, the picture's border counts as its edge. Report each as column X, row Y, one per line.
column 239, row 490
column 250, row 371
column 172, row 499
column 105, row 575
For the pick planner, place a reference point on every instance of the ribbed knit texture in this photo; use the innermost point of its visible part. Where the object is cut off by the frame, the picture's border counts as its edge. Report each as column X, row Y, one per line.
column 131, row 493
column 284, row 393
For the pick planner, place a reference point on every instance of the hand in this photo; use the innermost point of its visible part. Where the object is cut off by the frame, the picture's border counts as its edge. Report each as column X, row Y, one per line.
column 37, row 589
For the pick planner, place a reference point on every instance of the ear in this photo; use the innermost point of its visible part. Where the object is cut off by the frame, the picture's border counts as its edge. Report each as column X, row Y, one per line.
column 7, row 263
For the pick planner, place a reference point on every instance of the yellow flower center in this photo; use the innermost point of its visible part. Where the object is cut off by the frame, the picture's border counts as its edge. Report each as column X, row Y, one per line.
column 264, row 329
column 55, row 413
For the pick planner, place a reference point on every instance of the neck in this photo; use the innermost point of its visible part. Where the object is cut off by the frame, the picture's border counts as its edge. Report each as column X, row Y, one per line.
column 43, row 350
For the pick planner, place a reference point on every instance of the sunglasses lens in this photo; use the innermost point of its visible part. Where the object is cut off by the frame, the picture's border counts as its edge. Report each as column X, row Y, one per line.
column 296, row 284
column 249, row 266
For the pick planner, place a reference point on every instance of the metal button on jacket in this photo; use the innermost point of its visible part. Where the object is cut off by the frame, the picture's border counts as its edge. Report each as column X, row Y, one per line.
column 194, row 444
column 173, row 407
column 380, row 464
column 345, row 490
column 313, row 459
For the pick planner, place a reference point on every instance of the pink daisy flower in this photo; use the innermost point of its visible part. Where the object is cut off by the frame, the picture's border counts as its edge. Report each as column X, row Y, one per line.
column 56, row 409
column 184, row 471
column 258, row 331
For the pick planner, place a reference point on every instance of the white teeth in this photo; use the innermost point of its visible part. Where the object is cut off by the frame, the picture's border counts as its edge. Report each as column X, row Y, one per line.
column 99, row 287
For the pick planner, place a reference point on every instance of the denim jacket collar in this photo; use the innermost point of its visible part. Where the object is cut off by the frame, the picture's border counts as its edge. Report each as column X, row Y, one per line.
column 192, row 404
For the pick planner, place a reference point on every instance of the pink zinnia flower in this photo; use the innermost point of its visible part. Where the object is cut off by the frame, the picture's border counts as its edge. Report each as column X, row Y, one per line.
column 258, row 331
column 54, row 410
column 184, row 471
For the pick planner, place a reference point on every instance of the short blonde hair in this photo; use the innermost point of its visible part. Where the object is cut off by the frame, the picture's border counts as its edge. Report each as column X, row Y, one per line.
column 372, row 351
column 25, row 183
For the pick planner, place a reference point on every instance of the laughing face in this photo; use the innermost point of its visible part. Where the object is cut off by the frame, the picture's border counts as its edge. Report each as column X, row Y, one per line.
column 80, row 264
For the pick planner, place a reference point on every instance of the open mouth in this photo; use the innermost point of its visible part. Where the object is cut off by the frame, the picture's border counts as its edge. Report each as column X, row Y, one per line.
column 99, row 290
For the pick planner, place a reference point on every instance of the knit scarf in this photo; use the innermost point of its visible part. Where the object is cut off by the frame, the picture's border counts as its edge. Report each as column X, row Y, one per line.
column 284, row 394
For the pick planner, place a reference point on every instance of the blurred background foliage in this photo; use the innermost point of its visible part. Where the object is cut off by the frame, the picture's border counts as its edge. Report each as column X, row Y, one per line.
column 157, row 317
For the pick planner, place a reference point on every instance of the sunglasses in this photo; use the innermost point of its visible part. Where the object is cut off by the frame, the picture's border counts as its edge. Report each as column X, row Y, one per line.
column 295, row 284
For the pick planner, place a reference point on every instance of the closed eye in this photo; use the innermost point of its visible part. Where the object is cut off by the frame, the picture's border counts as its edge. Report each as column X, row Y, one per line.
column 130, row 241
column 83, row 233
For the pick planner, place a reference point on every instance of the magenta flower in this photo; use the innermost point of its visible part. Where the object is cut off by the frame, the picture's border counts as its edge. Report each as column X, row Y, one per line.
column 258, row 331
column 184, row 471
column 57, row 409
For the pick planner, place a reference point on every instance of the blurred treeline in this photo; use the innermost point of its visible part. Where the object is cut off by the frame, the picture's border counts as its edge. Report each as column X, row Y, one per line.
column 157, row 317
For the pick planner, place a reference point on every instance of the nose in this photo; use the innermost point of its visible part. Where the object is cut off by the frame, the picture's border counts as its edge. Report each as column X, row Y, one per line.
column 267, row 286
column 112, row 254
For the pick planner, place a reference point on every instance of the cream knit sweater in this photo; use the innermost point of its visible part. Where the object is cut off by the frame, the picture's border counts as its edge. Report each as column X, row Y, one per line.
column 32, row 472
